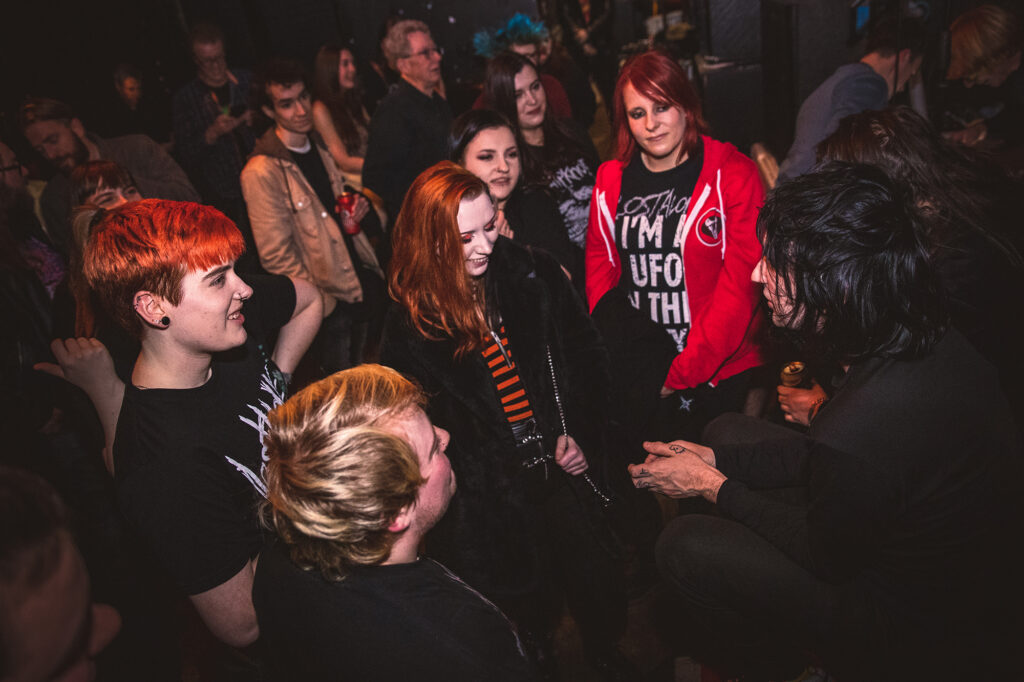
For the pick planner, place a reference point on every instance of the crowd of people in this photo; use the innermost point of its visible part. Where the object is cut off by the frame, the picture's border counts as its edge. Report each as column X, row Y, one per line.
column 325, row 385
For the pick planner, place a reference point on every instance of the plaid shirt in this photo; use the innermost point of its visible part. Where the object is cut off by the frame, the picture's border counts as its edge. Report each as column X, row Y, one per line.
column 214, row 168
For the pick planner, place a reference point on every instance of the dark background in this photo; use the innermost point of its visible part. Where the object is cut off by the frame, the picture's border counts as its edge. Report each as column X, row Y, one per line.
column 779, row 50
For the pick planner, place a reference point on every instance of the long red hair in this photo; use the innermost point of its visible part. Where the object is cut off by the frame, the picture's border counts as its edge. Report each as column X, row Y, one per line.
column 655, row 75
column 428, row 266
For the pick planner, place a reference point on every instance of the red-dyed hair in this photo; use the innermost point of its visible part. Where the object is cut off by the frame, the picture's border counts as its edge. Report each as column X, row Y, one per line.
column 656, row 75
column 150, row 245
column 428, row 265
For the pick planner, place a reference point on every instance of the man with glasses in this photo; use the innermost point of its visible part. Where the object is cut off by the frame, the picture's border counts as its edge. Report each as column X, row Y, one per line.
column 212, row 126
column 409, row 130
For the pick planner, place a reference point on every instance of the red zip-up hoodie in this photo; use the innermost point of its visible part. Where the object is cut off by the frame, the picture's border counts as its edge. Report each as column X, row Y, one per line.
column 725, row 320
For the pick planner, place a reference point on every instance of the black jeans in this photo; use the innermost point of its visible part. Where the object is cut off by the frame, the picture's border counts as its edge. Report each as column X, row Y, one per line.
column 746, row 606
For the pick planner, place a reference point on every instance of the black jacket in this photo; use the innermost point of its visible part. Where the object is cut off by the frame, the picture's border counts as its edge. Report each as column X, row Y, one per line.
column 488, row 535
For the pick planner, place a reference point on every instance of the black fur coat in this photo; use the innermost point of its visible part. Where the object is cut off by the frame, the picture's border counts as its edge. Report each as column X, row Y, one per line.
column 488, row 536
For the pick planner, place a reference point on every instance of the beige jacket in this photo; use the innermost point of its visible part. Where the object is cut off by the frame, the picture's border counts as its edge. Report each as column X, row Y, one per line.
column 295, row 233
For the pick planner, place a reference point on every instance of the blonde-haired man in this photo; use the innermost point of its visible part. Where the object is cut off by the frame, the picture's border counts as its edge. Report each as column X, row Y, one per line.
column 356, row 476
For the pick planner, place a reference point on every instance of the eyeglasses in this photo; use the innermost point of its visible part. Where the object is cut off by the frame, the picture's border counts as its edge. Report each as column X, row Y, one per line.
column 426, row 52
column 13, row 166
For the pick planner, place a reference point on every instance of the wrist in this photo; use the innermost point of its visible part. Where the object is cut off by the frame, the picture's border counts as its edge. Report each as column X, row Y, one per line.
column 712, row 485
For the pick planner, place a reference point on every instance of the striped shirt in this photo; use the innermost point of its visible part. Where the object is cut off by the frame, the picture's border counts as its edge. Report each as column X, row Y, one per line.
column 511, row 391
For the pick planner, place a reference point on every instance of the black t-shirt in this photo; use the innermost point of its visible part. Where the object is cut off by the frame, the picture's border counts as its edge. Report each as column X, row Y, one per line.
column 189, row 462
column 647, row 221
column 413, row 621
column 572, row 185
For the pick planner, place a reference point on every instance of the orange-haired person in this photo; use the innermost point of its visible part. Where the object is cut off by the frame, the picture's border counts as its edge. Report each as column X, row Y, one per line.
column 516, row 372
column 188, row 455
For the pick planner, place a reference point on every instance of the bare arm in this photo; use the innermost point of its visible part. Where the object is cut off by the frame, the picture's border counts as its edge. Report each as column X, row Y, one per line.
column 298, row 332
column 325, row 126
column 227, row 609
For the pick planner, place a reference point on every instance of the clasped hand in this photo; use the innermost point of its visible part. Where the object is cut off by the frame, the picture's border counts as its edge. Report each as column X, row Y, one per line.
column 678, row 469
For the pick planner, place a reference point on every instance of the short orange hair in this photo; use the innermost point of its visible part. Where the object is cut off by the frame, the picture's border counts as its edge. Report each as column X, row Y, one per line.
column 150, row 245
column 428, row 267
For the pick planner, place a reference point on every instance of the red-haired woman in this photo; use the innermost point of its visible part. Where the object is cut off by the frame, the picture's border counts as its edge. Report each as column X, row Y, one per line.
column 670, row 248
column 516, row 373
column 188, row 451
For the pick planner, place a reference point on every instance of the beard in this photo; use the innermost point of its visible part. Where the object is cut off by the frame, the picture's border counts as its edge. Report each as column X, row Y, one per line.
column 79, row 155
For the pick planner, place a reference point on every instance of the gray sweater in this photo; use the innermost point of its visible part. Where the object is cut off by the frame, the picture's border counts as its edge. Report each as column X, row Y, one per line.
column 853, row 88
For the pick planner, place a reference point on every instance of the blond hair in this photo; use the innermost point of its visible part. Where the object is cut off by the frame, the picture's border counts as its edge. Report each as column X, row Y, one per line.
column 336, row 478
column 396, row 43
column 981, row 38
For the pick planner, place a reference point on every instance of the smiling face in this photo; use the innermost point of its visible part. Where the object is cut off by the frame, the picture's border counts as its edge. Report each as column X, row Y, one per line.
column 346, row 70
column 476, row 226
column 211, row 62
column 531, row 100
column 209, row 317
column 293, row 107
column 112, row 197
column 493, row 157
column 657, row 127
column 429, row 443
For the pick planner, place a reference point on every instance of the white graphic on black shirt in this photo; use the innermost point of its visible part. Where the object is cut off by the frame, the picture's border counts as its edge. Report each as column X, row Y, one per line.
column 655, row 260
column 574, row 185
column 270, row 397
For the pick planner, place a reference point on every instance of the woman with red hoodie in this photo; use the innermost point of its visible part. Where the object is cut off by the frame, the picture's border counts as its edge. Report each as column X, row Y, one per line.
column 669, row 252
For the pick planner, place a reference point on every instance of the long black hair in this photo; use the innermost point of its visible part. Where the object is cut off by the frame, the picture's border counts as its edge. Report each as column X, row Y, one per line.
column 846, row 248
column 562, row 145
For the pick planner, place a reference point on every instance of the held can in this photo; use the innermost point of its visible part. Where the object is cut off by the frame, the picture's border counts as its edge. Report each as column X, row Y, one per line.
column 346, row 206
column 792, row 374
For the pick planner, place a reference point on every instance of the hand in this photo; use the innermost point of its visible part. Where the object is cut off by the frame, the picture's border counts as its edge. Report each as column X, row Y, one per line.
column 569, row 456
column 678, row 469
column 666, row 391
column 504, row 229
column 86, row 363
column 799, row 405
column 361, row 208
column 969, row 136
column 589, row 50
column 222, row 125
column 581, row 35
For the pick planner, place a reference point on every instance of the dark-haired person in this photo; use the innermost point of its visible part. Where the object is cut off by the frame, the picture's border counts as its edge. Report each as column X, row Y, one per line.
column 60, row 138
column 970, row 218
column 893, row 55
column 188, row 456
column 892, row 563
column 557, row 154
column 517, row 374
column 338, row 111
column 291, row 186
column 670, row 249
column 213, row 133
column 410, row 126
column 50, row 628
column 484, row 143
column 356, row 477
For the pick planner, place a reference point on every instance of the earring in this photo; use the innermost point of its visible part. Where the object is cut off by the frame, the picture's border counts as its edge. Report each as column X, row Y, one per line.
column 165, row 322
